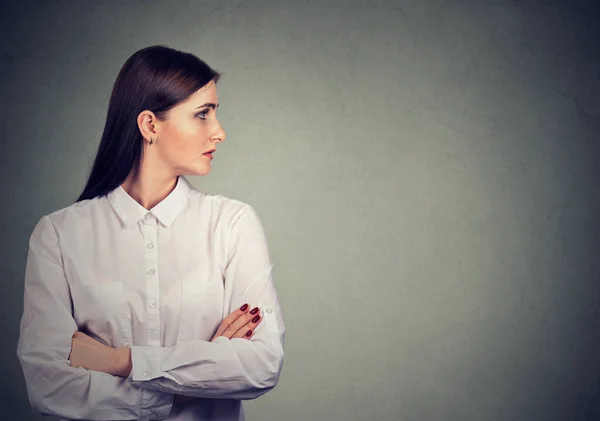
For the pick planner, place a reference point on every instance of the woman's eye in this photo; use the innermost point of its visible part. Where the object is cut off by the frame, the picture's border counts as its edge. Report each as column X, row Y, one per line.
column 202, row 114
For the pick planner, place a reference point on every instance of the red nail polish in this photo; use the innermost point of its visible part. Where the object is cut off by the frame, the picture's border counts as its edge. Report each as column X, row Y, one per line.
column 256, row 319
column 254, row 310
column 244, row 307
column 249, row 333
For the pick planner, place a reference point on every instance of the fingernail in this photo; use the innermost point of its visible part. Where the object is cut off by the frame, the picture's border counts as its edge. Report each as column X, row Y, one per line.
column 249, row 333
column 244, row 307
column 256, row 319
column 254, row 310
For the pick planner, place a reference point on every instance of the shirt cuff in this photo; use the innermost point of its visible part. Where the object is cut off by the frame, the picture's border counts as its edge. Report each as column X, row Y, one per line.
column 145, row 363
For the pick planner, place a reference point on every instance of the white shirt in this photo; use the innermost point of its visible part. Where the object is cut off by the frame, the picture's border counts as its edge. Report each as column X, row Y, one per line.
column 160, row 282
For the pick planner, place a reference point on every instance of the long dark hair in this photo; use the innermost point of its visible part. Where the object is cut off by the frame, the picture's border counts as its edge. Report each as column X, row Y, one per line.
column 155, row 78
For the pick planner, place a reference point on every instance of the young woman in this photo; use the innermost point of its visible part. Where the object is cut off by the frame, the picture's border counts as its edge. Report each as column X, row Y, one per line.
column 147, row 299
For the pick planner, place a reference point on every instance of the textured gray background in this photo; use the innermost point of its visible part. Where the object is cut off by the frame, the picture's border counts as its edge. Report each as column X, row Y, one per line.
column 427, row 173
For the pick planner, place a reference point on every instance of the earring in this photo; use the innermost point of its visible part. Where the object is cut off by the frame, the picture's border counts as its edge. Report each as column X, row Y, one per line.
column 151, row 141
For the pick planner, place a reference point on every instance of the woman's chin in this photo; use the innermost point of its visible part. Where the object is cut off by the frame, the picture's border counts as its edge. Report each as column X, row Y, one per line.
column 202, row 169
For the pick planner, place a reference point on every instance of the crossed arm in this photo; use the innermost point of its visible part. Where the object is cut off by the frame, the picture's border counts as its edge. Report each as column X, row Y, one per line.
column 88, row 353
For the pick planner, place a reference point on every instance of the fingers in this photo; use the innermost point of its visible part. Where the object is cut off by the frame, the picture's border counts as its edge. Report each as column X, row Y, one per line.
column 231, row 318
column 247, row 331
column 241, row 322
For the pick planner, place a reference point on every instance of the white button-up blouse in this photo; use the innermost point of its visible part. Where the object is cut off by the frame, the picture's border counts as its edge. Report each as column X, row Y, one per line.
column 160, row 282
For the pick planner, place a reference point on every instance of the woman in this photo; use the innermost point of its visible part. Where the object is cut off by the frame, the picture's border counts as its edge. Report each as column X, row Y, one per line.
column 147, row 299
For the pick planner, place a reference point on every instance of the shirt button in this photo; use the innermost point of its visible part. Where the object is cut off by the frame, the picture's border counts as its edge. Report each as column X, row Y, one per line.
column 150, row 246
column 146, row 373
column 148, row 215
column 150, row 272
column 152, row 303
column 269, row 310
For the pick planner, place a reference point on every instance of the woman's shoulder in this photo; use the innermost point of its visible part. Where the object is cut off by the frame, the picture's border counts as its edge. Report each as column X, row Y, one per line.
column 229, row 214
column 75, row 210
column 221, row 206
column 50, row 224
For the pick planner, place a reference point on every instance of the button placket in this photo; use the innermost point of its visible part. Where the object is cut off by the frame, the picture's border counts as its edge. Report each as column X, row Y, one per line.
column 150, row 231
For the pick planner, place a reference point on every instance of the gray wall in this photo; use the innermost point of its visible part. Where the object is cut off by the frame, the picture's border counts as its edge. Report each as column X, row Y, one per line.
column 426, row 171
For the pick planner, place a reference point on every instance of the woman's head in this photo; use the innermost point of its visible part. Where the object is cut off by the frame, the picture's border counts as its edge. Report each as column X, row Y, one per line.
column 162, row 108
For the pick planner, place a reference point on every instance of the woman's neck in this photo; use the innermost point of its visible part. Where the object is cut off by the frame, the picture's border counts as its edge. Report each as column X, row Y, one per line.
column 147, row 189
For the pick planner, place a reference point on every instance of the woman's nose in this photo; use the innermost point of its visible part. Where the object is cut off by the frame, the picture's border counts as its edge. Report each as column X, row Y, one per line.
column 219, row 134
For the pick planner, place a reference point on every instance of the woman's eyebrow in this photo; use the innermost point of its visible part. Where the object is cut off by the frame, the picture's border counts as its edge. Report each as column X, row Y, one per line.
column 208, row 104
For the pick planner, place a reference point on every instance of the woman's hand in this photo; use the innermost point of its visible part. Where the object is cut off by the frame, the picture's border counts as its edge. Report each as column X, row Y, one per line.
column 239, row 324
column 86, row 352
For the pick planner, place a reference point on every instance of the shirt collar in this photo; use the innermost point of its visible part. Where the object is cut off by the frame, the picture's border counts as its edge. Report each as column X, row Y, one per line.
column 130, row 211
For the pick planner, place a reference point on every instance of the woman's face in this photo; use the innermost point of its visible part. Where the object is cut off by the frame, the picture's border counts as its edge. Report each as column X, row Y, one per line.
column 189, row 131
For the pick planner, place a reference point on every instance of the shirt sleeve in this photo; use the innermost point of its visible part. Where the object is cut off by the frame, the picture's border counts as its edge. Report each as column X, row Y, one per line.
column 46, row 328
column 226, row 368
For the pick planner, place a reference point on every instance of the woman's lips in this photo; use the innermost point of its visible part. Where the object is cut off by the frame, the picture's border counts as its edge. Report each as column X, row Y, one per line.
column 208, row 154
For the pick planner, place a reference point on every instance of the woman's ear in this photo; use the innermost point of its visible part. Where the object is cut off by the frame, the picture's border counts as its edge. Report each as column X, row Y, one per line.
column 146, row 122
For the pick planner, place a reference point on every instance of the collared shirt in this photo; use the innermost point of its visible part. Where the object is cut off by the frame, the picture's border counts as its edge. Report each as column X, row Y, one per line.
column 159, row 281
